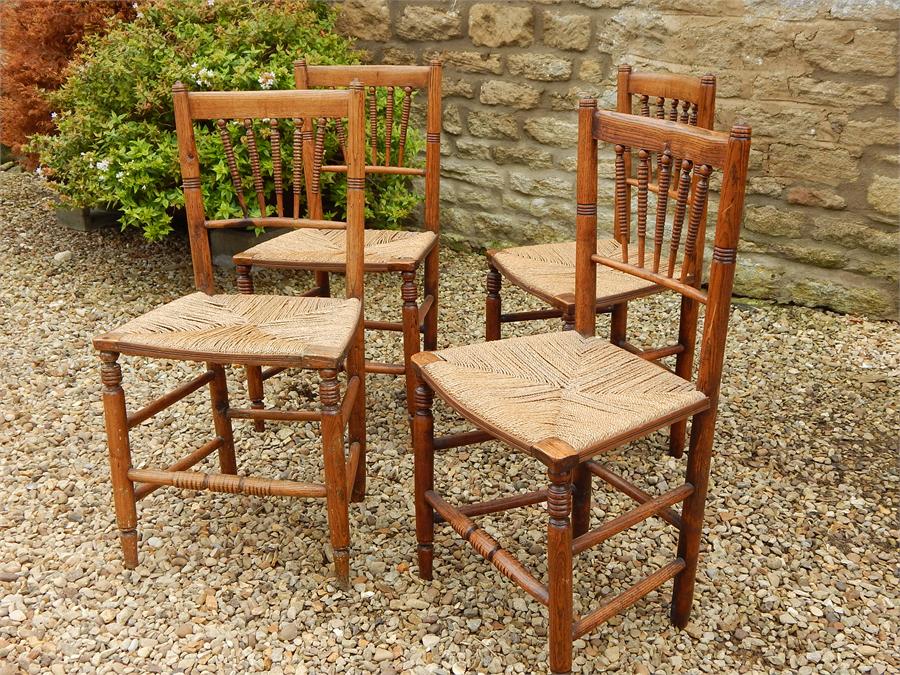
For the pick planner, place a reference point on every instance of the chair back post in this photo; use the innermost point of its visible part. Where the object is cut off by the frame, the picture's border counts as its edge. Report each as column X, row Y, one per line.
column 721, row 274
column 706, row 106
column 201, row 255
column 586, row 221
column 356, row 199
column 313, row 191
column 433, row 148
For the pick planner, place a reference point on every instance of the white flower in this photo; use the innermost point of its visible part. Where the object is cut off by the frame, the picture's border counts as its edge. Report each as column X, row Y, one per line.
column 210, row 3
column 53, row 116
column 102, row 165
column 120, row 175
column 203, row 76
column 266, row 80
column 39, row 172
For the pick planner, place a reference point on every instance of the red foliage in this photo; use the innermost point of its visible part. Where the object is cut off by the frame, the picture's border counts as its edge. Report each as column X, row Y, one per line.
column 39, row 38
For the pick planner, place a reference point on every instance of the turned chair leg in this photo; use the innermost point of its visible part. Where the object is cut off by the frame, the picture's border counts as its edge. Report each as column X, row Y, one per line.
column 423, row 447
column 431, row 288
column 411, row 342
column 255, row 391
column 618, row 324
column 559, row 570
column 116, row 417
column 697, row 474
column 335, row 475
column 568, row 319
column 493, row 283
column 218, row 392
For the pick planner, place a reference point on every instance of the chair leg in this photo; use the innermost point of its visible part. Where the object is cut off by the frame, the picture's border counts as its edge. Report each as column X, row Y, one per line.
column 618, row 324
column 492, row 305
column 568, row 320
column 581, row 501
column 255, row 391
column 357, row 424
column 702, row 428
column 684, row 364
column 559, row 570
column 335, row 475
column 218, row 392
column 423, row 447
column 432, row 283
column 116, row 417
column 411, row 343
column 323, row 284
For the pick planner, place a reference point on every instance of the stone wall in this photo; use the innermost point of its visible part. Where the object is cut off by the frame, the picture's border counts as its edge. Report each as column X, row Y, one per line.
column 817, row 80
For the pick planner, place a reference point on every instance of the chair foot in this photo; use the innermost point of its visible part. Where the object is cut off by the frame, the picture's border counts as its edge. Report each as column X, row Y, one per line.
column 342, row 568
column 492, row 304
column 129, row 541
column 425, row 553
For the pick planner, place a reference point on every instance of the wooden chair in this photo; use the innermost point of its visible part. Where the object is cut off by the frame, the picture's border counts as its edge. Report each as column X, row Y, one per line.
column 547, row 271
column 564, row 398
column 324, row 334
column 386, row 251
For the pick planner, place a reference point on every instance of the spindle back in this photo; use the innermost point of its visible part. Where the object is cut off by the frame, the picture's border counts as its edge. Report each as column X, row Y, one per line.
column 659, row 254
column 265, row 112
column 387, row 135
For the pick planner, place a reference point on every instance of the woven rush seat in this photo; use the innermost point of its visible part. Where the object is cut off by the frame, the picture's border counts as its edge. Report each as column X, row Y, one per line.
column 548, row 271
column 385, row 250
column 242, row 329
column 583, row 391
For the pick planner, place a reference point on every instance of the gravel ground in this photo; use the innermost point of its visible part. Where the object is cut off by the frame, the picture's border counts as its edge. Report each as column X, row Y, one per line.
column 799, row 574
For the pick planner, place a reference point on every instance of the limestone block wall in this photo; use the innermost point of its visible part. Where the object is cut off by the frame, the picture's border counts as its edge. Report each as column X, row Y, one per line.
column 816, row 79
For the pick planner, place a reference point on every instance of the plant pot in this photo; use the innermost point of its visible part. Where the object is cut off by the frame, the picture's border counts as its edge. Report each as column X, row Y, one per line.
column 225, row 243
column 86, row 219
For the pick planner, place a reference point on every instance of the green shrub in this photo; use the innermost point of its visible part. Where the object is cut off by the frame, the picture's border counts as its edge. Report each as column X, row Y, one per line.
column 115, row 143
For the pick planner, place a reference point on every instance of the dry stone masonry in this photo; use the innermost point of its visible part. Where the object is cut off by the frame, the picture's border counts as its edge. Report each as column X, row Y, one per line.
column 817, row 80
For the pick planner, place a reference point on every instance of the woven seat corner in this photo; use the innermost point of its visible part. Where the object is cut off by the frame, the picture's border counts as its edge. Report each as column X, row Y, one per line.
column 559, row 388
column 242, row 329
column 385, row 250
column 548, row 272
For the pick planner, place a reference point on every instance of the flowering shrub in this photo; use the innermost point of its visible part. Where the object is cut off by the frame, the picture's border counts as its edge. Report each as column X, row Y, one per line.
column 39, row 38
column 116, row 143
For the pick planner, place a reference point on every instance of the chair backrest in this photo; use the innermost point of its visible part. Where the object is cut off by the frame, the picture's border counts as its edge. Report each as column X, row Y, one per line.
column 269, row 109
column 399, row 83
column 660, row 255
column 677, row 98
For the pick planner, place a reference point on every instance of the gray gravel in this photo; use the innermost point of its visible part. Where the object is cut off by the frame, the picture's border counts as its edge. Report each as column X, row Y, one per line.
column 799, row 575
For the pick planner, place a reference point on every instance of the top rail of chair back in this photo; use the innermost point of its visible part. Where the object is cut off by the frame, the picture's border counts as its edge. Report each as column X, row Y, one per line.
column 670, row 85
column 370, row 76
column 281, row 104
column 700, row 146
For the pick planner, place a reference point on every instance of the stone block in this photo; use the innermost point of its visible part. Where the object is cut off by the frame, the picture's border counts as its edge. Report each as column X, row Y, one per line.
column 829, row 92
column 466, row 149
column 815, row 197
column 522, row 154
column 776, row 222
column 501, row 25
column 883, row 195
column 470, row 172
column 829, row 166
column 486, row 124
column 567, row 31
column 428, row 22
column 452, row 122
column 396, row 56
column 879, row 131
column 543, row 67
column 365, row 19
column 841, row 48
column 468, row 62
column 854, row 232
column 595, row 71
column 456, row 87
column 546, row 186
column 513, row 94
column 552, row 131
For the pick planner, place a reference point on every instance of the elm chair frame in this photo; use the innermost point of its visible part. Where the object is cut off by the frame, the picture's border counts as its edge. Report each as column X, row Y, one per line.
column 678, row 98
column 339, row 410
column 570, row 469
column 419, row 320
